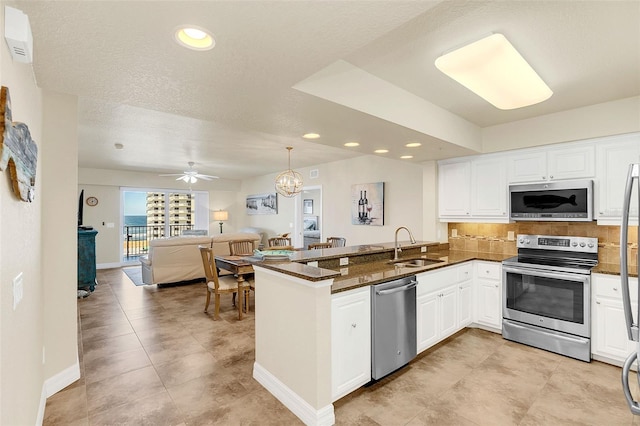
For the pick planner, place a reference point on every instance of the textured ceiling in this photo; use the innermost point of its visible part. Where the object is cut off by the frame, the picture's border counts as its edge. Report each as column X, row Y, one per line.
column 233, row 110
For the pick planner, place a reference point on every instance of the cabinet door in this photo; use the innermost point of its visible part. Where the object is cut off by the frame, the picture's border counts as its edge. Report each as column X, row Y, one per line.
column 571, row 163
column 489, row 303
column 610, row 338
column 489, row 187
column 613, row 165
column 454, row 189
column 465, row 312
column 448, row 311
column 427, row 317
column 350, row 341
column 528, row 167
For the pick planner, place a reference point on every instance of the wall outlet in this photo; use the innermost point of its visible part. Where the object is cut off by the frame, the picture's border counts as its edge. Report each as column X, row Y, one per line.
column 314, row 263
column 344, row 261
column 454, row 232
column 511, row 236
column 18, row 290
column 344, row 271
column 110, row 225
column 423, row 249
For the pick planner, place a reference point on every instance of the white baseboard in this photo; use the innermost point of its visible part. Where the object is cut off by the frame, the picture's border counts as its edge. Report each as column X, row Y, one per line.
column 112, row 265
column 41, row 406
column 291, row 400
column 62, row 379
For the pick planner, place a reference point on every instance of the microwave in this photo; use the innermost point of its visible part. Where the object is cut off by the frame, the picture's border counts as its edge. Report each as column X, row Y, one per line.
column 552, row 201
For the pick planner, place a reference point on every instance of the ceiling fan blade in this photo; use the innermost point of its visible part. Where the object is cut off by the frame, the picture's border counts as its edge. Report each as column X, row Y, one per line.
column 172, row 174
column 206, row 177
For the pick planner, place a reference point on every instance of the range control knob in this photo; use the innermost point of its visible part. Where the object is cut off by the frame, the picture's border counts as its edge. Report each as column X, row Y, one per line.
column 582, row 244
column 590, row 245
column 574, row 244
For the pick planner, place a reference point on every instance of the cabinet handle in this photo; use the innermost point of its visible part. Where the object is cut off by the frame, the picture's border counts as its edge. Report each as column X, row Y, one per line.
column 354, row 325
column 496, row 285
column 544, row 178
column 597, row 303
column 551, row 177
column 615, row 289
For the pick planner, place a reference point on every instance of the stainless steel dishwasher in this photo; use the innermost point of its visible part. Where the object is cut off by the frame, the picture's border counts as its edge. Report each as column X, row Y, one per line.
column 393, row 325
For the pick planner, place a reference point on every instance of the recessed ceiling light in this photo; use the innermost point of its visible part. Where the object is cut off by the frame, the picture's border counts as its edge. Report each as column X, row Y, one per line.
column 406, row 157
column 381, row 151
column 311, row 136
column 195, row 38
column 494, row 70
column 351, row 144
column 413, row 144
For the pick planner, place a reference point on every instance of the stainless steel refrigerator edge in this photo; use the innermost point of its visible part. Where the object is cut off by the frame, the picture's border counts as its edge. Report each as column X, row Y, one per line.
column 632, row 328
column 393, row 325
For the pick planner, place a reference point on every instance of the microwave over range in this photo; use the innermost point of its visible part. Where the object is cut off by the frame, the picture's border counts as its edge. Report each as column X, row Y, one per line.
column 552, row 201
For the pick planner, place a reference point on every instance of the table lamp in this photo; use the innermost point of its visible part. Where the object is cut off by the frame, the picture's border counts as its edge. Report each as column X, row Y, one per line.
column 221, row 215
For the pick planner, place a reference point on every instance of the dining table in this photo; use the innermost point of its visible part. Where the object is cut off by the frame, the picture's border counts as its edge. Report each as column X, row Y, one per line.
column 240, row 268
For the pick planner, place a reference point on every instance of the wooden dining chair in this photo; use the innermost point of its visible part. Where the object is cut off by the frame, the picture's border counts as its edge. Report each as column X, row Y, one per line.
column 337, row 241
column 241, row 247
column 220, row 285
column 316, row 246
column 279, row 241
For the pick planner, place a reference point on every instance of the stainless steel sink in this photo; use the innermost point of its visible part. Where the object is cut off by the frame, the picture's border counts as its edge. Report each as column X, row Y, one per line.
column 415, row 263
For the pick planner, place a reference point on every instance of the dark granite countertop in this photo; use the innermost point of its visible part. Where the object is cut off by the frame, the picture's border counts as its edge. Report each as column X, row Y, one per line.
column 375, row 270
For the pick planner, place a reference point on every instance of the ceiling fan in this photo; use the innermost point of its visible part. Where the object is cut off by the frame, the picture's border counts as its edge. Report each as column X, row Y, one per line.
column 191, row 175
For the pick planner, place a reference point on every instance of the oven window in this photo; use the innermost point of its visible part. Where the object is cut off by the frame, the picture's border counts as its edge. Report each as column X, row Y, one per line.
column 547, row 297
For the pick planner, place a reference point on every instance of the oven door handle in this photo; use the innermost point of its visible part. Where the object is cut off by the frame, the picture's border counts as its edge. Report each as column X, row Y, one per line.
column 546, row 274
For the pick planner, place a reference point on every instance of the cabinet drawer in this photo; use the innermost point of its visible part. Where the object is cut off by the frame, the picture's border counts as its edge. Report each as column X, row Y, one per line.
column 610, row 286
column 488, row 270
column 465, row 271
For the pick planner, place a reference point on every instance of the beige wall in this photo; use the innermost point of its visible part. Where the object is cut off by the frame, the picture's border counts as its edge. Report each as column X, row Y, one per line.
column 59, row 236
column 403, row 198
column 25, row 248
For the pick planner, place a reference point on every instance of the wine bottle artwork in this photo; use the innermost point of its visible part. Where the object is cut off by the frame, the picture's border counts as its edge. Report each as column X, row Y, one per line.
column 368, row 204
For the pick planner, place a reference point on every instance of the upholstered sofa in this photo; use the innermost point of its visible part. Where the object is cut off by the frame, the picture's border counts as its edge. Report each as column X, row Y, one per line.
column 177, row 259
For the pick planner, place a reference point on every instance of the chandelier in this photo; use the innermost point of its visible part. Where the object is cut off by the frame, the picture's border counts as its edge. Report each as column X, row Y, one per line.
column 289, row 182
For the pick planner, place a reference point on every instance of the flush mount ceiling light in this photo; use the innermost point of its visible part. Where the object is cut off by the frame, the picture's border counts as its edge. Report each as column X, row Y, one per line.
column 413, row 144
column 311, row 136
column 289, row 182
column 494, row 70
column 406, row 157
column 351, row 144
column 381, row 151
column 194, row 38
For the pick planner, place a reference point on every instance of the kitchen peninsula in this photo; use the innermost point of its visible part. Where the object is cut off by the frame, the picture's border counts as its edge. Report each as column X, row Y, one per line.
column 312, row 321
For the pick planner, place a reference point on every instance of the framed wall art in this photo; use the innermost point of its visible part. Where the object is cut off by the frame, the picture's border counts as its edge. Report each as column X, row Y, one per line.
column 307, row 207
column 262, row 204
column 367, row 204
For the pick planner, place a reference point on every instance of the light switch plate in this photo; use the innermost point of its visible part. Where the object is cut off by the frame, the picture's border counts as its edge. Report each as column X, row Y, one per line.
column 344, row 261
column 314, row 263
column 344, row 271
column 510, row 236
column 423, row 249
column 454, row 232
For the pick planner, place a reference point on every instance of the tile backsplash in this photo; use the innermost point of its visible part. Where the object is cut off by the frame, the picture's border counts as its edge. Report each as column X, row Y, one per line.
column 493, row 238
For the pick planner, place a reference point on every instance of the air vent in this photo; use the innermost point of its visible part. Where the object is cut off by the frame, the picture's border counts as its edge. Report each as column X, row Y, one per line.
column 17, row 33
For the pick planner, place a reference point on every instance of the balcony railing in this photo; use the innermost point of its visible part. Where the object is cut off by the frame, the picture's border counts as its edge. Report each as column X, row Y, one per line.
column 137, row 238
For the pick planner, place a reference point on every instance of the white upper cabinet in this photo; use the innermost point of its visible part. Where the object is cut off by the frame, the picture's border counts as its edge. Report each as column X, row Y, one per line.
column 614, row 156
column 489, row 187
column 454, row 189
column 573, row 162
column 473, row 189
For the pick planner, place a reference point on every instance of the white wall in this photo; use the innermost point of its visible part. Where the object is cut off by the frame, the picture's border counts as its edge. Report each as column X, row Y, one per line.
column 608, row 118
column 105, row 185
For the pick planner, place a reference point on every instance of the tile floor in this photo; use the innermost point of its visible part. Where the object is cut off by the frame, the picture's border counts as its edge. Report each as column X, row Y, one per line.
column 150, row 356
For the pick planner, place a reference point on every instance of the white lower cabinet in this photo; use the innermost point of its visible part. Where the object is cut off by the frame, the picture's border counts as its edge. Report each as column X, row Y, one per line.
column 488, row 277
column 443, row 304
column 350, row 341
column 608, row 329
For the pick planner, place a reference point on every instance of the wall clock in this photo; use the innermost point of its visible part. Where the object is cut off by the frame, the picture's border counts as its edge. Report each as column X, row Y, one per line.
column 92, row 201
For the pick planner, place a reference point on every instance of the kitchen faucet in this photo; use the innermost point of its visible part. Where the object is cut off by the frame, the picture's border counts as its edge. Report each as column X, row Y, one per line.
column 397, row 248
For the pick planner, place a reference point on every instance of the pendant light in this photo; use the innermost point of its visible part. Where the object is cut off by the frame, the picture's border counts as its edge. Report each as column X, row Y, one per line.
column 289, row 182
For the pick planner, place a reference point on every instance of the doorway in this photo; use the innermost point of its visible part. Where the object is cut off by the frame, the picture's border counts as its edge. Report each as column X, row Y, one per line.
column 308, row 217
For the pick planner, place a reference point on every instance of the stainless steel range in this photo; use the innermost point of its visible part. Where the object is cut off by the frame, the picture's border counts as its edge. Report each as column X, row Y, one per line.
column 547, row 294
